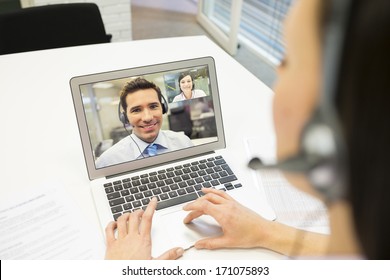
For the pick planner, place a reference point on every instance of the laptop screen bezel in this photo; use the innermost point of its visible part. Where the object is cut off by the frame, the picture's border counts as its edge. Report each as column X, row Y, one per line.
column 125, row 167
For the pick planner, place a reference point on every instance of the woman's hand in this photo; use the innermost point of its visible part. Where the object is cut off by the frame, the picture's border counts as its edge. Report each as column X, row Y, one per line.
column 242, row 228
column 134, row 237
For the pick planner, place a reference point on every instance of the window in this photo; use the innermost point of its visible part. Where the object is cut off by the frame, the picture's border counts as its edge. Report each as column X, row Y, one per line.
column 260, row 26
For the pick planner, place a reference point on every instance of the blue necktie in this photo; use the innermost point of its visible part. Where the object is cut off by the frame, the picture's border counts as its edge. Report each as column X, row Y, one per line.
column 151, row 150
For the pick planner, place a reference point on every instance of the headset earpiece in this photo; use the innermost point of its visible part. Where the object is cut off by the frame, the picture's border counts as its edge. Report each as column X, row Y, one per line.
column 164, row 104
column 122, row 116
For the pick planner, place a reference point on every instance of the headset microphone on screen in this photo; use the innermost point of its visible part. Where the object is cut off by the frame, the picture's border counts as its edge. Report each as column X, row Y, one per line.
column 322, row 153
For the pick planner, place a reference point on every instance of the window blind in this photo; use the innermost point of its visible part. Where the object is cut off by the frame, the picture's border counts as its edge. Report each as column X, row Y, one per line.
column 261, row 25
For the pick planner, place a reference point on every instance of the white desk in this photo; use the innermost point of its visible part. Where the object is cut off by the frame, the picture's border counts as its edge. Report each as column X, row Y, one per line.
column 39, row 133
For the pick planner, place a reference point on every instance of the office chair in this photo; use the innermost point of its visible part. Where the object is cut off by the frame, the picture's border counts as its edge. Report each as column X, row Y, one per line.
column 51, row 26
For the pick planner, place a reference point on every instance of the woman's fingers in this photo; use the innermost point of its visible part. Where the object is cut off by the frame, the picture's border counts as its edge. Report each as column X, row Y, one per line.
column 122, row 225
column 172, row 254
column 147, row 217
column 110, row 232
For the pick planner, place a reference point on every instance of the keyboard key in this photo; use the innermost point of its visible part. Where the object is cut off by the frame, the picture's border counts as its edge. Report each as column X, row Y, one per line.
column 145, row 201
column 148, row 194
column 145, row 181
column 113, row 195
column 127, row 206
column 223, row 174
column 127, row 185
column 136, row 204
column 191, row 182
column 136, row 183
column 172, row 194
column 227, row 179
column 116, row 209
column 125, row 192
column 176, row 201
column 194, row 168
column 181, row 192
column 214, row 183
column 156, row 191
column 117, row 201
column 153, row 179
column 160, row 184
column 109, row 189
column 134, row 190
column 199, row 180
column 219, row 161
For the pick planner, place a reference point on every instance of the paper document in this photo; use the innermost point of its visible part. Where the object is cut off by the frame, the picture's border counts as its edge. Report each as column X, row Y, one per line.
column 45, row 224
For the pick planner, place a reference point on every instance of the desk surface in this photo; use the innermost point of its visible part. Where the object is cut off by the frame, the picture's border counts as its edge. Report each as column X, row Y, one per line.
column 40, row 139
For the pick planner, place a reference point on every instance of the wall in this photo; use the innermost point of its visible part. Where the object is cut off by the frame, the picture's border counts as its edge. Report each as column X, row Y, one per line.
column 116, row 15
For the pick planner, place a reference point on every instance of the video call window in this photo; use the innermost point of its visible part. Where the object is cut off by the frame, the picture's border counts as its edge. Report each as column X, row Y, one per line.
column 193, row 117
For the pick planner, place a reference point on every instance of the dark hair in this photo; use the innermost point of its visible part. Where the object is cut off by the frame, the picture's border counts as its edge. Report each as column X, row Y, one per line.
column 135, row 85
column 185, row 74
column 362, row 102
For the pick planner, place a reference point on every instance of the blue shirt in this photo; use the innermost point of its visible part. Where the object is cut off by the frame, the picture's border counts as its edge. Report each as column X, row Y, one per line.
column 131, row 147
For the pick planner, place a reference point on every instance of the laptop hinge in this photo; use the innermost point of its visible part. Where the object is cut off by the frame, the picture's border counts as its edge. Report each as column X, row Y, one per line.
column 157, row 165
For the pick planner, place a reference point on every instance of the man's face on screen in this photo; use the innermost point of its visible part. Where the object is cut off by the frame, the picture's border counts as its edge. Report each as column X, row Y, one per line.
column 144, row 112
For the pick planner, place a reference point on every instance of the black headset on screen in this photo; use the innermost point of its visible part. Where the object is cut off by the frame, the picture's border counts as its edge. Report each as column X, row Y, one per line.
column 322, row 154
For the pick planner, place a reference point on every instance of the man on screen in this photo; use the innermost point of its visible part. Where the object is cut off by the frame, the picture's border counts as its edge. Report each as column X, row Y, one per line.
column 143, row 108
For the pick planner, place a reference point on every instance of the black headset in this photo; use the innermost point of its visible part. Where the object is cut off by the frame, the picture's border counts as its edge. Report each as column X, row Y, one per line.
column 322, row 154
column 123, row 116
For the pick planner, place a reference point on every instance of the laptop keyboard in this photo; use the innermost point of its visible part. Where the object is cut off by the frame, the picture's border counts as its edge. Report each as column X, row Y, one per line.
column 171, row 186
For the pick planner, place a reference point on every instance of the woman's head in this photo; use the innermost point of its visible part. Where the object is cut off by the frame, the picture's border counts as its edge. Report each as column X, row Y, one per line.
column 186, row 82
column 361, row 102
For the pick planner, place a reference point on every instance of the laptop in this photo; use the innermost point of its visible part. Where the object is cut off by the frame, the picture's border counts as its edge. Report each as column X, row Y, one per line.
column 174, row 176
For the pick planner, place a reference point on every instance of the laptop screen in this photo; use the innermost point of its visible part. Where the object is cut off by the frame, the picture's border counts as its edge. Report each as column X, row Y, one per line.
column 167, row 112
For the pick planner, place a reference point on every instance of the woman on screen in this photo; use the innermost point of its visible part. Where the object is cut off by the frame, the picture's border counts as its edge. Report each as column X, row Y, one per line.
column 187, row 88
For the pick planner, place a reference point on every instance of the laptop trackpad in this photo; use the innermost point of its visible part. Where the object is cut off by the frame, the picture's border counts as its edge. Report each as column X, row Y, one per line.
column 169, row 231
